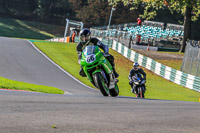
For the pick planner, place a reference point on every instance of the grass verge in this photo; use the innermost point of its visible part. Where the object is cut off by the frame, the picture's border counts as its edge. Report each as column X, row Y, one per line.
column 176, row 64
column 157, row 87
column 25, row 29
column 17, row 85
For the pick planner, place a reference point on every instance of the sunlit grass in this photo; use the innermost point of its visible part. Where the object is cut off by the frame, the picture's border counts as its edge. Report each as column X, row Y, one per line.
column 65, row 55
column 25, row 29
column 17, row 85
column 176, row 64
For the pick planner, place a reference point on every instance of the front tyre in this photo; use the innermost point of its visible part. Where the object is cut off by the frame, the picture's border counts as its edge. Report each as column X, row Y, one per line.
column 114, row 91
column 99, row 81
column 141, row 91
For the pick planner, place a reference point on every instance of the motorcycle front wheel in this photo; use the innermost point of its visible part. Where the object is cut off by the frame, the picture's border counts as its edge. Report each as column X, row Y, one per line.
column 99, row 81
column 141, row 91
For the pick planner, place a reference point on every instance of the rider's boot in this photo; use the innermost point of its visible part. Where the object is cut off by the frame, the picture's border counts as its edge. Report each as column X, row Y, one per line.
column 132, row 89
column 115, row 73
column 111, row 60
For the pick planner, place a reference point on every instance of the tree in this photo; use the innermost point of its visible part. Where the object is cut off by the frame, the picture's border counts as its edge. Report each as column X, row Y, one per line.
column 97, row 12
column 189, row 8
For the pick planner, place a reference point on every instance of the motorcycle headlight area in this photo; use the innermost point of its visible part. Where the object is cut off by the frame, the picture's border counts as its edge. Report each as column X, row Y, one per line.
column 137, row 83
column 90, row 58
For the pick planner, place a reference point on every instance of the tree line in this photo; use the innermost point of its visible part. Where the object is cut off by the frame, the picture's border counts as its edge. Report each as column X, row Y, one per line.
column 90, row 12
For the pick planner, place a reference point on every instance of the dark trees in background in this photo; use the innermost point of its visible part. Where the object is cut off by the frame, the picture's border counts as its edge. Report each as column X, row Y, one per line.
column 90, row 12
column 51, row 11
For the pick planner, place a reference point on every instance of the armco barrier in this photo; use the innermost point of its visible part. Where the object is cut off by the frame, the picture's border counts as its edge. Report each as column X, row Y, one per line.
column 176, row 76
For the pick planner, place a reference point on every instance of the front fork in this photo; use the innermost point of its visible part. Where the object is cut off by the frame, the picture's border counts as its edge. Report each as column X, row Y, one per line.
column 112, row 81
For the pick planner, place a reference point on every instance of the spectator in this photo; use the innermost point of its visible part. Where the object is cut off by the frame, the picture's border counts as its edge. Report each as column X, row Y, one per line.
column 73, row 36
column 121, row 28
column 139, row 21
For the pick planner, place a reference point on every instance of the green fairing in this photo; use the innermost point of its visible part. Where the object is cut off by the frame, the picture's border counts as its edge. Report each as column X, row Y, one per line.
column 99, row 71
column 100, row 61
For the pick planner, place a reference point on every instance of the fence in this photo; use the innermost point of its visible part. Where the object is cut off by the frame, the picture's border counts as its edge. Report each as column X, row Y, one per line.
column 154, row 24
column 191, row 61
column 175, row 27
column 139, row 35
column 176, row 76
column 115, row 34
column 117, row 26
column 150, row 33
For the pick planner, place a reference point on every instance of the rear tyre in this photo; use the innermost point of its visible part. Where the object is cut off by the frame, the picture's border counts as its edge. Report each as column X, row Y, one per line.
column 115, row 91
column 99, row 81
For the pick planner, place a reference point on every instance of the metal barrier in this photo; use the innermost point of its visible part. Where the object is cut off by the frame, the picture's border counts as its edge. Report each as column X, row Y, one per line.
column 191, row 61
column 176, row 76
column 111, row 34
column 117, row 26
column 154, row 24
column 175, row 27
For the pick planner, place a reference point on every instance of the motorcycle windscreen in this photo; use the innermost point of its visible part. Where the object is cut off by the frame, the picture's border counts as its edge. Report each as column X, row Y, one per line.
column 90, row 50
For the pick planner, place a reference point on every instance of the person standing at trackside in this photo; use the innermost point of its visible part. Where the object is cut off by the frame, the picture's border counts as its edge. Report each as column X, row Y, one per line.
column 135, row 70
column 85, row 40
column 73, row 36
column 139, row 21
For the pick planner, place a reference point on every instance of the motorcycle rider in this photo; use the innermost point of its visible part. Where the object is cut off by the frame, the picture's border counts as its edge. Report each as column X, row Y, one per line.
column 135, row 70
column 85, row 40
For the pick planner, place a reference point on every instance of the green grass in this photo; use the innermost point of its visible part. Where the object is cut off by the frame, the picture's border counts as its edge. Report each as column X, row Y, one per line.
column 176, row 64
column 171, row 52
column 25, row 29
column 17, row 85
column 157, row 87
column 65, row 55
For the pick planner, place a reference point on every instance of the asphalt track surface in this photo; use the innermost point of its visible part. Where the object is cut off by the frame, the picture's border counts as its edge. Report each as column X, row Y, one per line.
column 81, row 110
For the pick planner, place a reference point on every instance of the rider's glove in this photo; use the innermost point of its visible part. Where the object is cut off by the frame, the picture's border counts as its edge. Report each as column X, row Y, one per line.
column 130, row 82
column 144, row 81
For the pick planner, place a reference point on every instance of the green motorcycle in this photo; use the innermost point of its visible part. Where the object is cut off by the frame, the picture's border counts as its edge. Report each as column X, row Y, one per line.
column 99, row 71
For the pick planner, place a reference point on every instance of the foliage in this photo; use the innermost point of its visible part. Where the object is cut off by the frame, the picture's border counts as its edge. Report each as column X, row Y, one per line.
column 90, row 12
column 189, row 8
column 150, row 6
column 36, row 9
column 97, row 12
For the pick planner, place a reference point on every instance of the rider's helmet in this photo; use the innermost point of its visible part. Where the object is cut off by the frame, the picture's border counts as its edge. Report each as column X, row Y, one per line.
column 135, row 66
column 85, row 35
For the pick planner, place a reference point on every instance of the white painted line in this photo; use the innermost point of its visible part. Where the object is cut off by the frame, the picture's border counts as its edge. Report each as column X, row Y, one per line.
column 61, row 67
column 67, row 93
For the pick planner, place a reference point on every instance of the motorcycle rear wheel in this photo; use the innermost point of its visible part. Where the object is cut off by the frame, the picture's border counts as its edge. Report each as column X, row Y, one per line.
column 115, row 91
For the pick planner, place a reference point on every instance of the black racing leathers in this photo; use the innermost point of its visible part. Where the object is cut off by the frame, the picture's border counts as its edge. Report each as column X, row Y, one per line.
column 132, row 73
column 138, row 71
column 94, row 41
